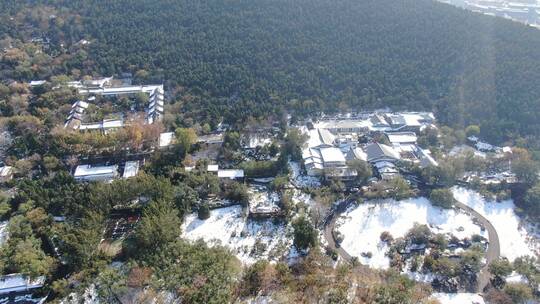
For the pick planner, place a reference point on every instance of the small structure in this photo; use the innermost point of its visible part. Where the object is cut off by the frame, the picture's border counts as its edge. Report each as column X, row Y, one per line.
column 6, row 174
column 131, row 169
column 211, row 139
column 166, row 139
column 212, row 168
column 18, row 283
column 233, row 174
column 98, row 173
column 386, row 170
column 37, row 83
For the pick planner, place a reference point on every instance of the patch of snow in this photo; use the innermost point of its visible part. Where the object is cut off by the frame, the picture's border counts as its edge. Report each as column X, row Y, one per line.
column 261, row 200
column 514, row 239
column 3, row 232
column 458, row 298
column 459, row 150
column 515, row 277
column 88, row 297
column 300, row 180
column 228, row 227
column 299, row 196
column 363, row 225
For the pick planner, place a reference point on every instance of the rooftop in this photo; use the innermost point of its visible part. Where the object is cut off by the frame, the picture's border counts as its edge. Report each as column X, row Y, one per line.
column 87, row 170
column 332, row 155
column 402, row 137
column 131, row 169
column 166, row 139
column 231, row 173
column 377, row 150
column 19, row 282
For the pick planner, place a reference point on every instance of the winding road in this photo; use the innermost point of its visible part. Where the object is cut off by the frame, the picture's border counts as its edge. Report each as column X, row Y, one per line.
column 492, row 253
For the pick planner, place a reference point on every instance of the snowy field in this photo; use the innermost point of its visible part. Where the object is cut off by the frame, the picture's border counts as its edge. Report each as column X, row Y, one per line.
column 514, row 239
column 363, row 225
column 458, row 298
column 228, row 227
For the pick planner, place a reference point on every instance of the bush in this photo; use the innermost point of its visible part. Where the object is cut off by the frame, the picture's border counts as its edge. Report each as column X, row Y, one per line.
column 419, row 234
column 204, row 212
column 305, row 235
column 237, row 192
column 500, row 268
column 442, row 198
column 518, row 292
column 387, row 237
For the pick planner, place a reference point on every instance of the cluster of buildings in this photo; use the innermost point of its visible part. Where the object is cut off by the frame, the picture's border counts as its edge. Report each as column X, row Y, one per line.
column 104, row 87
column 524, row 11
column 334, row 142
column 89, row 173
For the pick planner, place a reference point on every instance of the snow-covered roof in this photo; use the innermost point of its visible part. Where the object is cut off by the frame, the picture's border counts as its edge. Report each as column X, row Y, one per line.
column 332, row 155
column 425, row 159
column 121, row 90
column 131, row 169
column 110, row 124
column 87, row 170
column 344, row 124
column 378, row 120
column 320, row 138
column 91, row 126
column 356, row 153
column 401, row 137
column 35, row 83
column 377, row 150
column 231, row 173
column 384, row 164
column 18, row 282
column 166, row 139
column 6, row 171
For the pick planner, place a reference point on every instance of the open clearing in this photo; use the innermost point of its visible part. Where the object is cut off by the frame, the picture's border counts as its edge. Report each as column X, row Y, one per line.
column 250, row 240
column 363, row 225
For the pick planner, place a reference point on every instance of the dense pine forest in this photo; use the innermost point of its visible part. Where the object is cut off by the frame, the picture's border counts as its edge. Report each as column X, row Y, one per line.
column 235, row 58
column 251, row 64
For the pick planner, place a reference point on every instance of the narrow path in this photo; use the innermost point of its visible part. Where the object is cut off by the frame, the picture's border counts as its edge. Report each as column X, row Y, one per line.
column 493, row 251
column 494, row 247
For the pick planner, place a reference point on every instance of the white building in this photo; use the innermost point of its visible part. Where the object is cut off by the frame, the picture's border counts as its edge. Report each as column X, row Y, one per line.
column 166, row 139
column 231, row 173
column 6, row 173
column 18, row 283
column 154, row 111
column 98, row 173
column 131, row 169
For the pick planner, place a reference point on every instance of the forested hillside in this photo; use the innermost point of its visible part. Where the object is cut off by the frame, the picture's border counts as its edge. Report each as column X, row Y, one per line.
column 235, row 58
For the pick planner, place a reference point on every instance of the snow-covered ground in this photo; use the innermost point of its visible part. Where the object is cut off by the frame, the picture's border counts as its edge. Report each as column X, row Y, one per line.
column 458, row 298
column 514, row 239
column 228, row 227
column 261, row 200
column 363, row 225
column 302, row 181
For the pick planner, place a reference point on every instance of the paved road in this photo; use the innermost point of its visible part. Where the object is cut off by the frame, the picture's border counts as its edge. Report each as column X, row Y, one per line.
column 494, row 248
column 493, row 251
